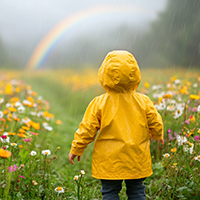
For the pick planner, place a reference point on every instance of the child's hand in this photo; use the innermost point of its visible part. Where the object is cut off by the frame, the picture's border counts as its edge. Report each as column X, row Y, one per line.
column 162, row 141
column 71, row 158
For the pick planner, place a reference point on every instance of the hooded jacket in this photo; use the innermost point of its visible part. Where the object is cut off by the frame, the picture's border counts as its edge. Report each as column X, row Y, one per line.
column 124, row 119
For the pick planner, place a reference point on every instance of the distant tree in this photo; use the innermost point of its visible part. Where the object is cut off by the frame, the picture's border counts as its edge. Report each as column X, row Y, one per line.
column 174, row 38
column 3, row 55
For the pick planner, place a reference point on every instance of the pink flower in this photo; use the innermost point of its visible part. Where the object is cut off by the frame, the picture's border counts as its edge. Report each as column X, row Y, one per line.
column 27, row 140
column 21, row 176
column 169, row 131
column 194, row 109
column 12, row 168
column 196, row 138
column 32, row 133
column 170, row 136
column 4, row 136
column 187, row 122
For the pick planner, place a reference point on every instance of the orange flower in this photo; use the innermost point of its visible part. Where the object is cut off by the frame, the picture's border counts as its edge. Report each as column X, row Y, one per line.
column 22, row 130
column 174, row 150
column 21, row 146
column 35, row 125
column 9, row 133
column 5, row 153
column 58, row 122
column 21, row 135
column 26, row 128
column 16, row 119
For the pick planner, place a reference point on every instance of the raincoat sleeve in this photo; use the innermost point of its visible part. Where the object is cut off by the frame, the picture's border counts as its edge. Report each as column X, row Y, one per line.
column 87, row 130
column 154, row 120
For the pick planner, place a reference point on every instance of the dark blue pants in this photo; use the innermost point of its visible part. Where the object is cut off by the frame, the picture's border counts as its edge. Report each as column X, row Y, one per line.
column 135, row 189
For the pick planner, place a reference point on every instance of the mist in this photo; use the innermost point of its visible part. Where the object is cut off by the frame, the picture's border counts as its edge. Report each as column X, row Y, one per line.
column 24, row 24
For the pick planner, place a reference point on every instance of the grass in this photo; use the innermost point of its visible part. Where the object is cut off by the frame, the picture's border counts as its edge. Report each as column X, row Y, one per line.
column 175, row 177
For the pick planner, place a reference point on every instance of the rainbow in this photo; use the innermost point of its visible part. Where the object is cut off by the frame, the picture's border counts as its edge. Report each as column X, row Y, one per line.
column 45, row 46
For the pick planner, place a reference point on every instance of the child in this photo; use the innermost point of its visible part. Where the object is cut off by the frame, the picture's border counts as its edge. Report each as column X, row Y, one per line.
column 126, row 120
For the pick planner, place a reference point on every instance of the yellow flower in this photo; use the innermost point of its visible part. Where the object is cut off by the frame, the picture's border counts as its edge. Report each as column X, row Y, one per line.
column 5, row 153
column 168, row 96
column 12, row 109
column 193, row 96
column 22, row 130
column 26, row 128
column 175, row 164
column 146, row 85
column 192, row 119
column 173, row 150
column 58, row 122
column 21, row 135
column 9, row 133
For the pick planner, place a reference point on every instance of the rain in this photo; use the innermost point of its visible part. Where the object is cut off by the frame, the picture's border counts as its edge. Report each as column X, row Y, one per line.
column 99, row 86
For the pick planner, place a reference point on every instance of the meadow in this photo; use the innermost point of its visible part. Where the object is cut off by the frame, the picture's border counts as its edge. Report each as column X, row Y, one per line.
column 41, row 110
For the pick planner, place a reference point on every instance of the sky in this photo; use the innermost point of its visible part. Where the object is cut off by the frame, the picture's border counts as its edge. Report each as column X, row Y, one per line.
column 25, row 23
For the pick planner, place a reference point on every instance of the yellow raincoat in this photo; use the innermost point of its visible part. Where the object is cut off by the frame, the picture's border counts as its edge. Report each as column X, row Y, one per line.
column 125, row 119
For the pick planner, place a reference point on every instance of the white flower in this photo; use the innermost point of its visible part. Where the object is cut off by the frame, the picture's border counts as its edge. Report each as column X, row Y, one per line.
column 39, row 98
column 166, row 155
column 7, row 140
column 181, row 139
column 33, row 113
column 75, row 178
column 45, row 124
column 13, row 144
column 26, row 102
column 59, row 190
column 197, row 158
column 1, row 114
column 46, row 152
column 195, row 85
column 18, row 104
column 21, row 109
column 40, row 113
column 170, row 108
column 9, row 105
column 26, row 120
column 48, row 128
column 178, row 113
column 160, row 106
column 82, row 172
column 33, row 153
column 1, row 100
column 190, row 148
column 198, row 108
column 177, row 81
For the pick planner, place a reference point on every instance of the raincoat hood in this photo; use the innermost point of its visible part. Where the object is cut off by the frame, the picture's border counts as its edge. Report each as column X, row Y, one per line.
column 119, row 72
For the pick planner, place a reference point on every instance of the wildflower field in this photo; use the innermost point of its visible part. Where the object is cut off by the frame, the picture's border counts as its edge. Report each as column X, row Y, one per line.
column 40, row 111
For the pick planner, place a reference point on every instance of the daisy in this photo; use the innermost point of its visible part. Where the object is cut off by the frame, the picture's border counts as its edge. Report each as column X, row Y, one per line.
column 75, row 178
column 21, row 109
column 48, row 128
column 1, row 114
column 46, row 152
column 33, row 153
column 59, row 190
column 181, row 139
column 197, row 158
column 82, row 172
column 13, row 144
column 166, row 155
column 178, row 113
